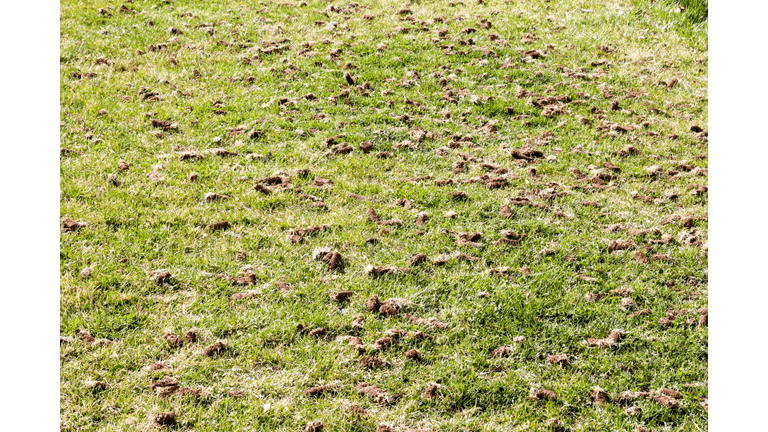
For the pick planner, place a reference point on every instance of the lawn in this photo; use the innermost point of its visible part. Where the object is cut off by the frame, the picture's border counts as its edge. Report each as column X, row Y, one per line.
column 389, row 216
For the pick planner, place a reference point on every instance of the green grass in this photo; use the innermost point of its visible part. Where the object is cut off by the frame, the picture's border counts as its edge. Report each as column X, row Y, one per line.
column 136, row 226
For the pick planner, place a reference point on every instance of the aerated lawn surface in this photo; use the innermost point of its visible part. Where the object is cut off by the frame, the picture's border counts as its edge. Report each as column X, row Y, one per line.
column 382, row 216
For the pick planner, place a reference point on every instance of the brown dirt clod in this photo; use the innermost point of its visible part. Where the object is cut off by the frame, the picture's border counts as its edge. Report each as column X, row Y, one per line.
column 559, row 359
column 70, row 224
column 703, row 316
column 541, row 394
column 612, row 339
column 506, row 211
column 316, row 391
column 501, row 352
column 161, row 276
column 430, row 391
column 379, row 395
column 216, row 348
column 599, row 395
column 372, row 362
column 357, row 410
column 314, row 426
column 221, row 225
column 412, row 354
column 320, row 331
column 166, row 418
column 190, row 336
column 418, row 259
column 373, row 303
column 341, row 296
column 172, row 339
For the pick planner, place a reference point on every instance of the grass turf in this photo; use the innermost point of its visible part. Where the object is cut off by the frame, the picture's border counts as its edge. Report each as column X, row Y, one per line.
column 440, row 89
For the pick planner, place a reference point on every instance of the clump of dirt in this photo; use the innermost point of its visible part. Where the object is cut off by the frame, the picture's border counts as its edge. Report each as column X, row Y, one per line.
column 96, row 385
column 70, row 224
column 383, row 343
column 341, row 296
column 245, row 294
column 418, row 259
column 297, row 235
column 502, row 351
column 320, row 331
column 558, row 359
column 633, row 410
column 214, row 349
column 610, row 341
column 419, row 336
column 211, row 197
column 638, row 313
column 599, row 395
column 617, row 245
column 246, row 278
column 189, row 392
column 703, row 316
column 430, row 391
column 667, row 401
column 373, row 304
column 172, row 339
column 222, row 225
column 422, row 218
column 430, row 322
column 358, row 322
column 190, row 336
column 379, row 395
column 282, row 287
column 393, row 306
column 542, row 394
column 156, row 367
column 317, row 391
column 376, row 271
column 356, row 343
column 412, row 354
column 372, row 362
column 506, row 211
column 314, row 426
column 469, row 239
column 161, row 276
column 333, row 259
column 357, row 410
column 383, row 428
column 166, row 386
column 167, row 418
